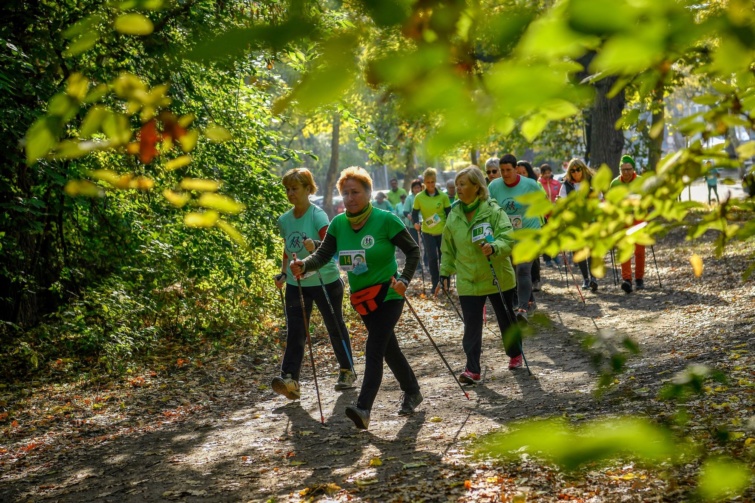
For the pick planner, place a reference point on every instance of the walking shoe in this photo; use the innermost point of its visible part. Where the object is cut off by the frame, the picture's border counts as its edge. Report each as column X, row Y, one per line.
column 535, row 286
column 286, row 386
column 521, row 316
column 346, row 380
column 515, row 362
column 640, row 284
column 586, row 284
column 468, row 377
column 593, row 285
column 626, row 285
column 361, row 417
column 409, row 403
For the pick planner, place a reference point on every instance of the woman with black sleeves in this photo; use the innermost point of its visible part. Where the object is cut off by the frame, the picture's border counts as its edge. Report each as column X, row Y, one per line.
column 365, row 239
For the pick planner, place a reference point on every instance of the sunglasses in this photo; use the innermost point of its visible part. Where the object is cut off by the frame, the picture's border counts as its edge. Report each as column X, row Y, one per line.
column 492, row 171
column 576, row 170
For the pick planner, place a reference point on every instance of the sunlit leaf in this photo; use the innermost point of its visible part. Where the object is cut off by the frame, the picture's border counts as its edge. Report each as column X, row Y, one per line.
column 697, row 264
column 746, row 150
column 533, row 126
column 93, row 120
column 178, row 162
column 77, row 86
column 141, row 183
column 82, row 44
column 84, row 26
column 200, row 184
column 221, row 203
column 723, row 477
column 41, row 138
column 106, row 175
column 177, row 199
column 126, row 84
column 232, row 232
column 376, row 462
column 133, row 24
column 141, row 4
column 206, row 219
column 189, row 140
column 217, row 134
column 82, row 188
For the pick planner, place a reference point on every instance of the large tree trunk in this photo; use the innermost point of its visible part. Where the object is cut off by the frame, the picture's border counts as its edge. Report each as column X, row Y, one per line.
column 330, row 178
column 657, row 129
column 606, row 142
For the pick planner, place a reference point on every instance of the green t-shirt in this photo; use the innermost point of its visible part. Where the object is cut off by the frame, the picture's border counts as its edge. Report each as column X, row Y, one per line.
column 294, row 231
column 395, row 197
column 433, row 211
column 367, row 255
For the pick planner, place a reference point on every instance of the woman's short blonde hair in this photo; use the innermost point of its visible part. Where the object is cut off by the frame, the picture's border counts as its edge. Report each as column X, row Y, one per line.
column 430, row 173
column 587, row 173
column 477, row 178
column 355, row 173
column 301, row 175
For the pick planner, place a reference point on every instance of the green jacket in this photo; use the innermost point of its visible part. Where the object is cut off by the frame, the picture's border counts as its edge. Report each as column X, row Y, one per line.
column 460, row 256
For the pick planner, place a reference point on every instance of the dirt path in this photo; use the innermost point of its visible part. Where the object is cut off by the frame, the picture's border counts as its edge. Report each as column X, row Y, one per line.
column 227, row 437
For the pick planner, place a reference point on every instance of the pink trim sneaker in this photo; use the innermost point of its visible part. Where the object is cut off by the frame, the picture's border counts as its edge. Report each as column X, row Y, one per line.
column 515, row 362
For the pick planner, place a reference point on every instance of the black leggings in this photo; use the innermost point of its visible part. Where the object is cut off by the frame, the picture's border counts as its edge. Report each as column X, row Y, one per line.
column 584, row 268
column 383, row 345
column 297, row 334
column 471, row 308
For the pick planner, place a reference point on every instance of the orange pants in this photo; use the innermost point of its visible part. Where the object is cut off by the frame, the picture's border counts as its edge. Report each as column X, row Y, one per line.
column 639, row 265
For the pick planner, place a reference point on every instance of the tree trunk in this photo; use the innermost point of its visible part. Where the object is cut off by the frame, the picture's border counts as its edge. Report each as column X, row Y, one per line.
column 606, row 143
column 658, row 108
column 410, row 167
column 474, row 156
column 330, row 179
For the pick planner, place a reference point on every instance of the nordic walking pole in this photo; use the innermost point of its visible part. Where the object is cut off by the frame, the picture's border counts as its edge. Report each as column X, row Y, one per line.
column 309, row 342
column 421, row 260
column 569, row 271
column 338, row 325
column 443, row 286
column 652, row 249
column 435, row 346
column 613, row 268
column 508, row 314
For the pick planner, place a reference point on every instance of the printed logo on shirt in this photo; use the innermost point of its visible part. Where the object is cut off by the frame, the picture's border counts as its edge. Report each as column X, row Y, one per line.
column 368, row 242
column 509, row 205
column 480, row 232
column 516, row 221
column 295, row 242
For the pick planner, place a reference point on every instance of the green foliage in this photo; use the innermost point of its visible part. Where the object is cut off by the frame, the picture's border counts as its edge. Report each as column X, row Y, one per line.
column 571, row 447
column 723, row 478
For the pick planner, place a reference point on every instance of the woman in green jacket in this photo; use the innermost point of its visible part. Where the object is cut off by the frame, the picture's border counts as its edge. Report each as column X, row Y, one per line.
column 476, row 235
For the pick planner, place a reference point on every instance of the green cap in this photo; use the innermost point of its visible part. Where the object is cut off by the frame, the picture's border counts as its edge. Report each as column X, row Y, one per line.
column 627, row 159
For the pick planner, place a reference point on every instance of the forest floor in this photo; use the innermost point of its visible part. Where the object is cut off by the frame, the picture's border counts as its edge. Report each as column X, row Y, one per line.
column 211, row 429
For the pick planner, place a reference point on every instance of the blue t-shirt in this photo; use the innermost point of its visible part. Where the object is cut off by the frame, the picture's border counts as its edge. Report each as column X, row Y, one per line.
column 507, row 200
column 295, row 231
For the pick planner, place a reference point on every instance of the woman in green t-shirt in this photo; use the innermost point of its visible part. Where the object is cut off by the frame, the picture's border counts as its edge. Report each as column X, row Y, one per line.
column 299, row 226
column 365, row 239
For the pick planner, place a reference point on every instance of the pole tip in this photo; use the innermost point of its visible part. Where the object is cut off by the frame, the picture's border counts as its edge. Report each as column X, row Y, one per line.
column 467, row 395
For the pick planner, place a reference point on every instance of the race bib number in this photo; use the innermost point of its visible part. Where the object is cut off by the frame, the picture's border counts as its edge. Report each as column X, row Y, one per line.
column 433, row 220
column 353, row 261
column 516, row 221
column 480, row 232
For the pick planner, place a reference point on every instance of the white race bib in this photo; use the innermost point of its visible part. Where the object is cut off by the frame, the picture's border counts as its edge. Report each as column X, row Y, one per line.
column 516, row 221
column 353, row 261
column 433, row 220
column 480, row 232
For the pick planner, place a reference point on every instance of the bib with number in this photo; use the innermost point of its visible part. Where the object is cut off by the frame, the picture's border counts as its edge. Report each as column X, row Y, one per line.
column 353, row 261
column 433, row 220
column 480, row 232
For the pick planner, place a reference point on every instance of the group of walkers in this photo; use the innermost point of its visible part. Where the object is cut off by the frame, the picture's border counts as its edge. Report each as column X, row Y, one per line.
column 470, row 240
